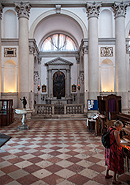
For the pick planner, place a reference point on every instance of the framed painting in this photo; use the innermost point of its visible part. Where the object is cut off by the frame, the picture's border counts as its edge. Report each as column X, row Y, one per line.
column 43, row 88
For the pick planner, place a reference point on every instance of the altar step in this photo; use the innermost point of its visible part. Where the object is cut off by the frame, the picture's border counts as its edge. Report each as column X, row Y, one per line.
column 60, row 116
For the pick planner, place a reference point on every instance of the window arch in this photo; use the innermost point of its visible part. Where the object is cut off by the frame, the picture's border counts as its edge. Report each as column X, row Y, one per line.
column 58, row 42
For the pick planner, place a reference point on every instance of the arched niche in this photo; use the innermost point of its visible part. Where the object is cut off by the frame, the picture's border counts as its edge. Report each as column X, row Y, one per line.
column 106, row 28
column 10, row 24
column 10, row 76
column 107, row 76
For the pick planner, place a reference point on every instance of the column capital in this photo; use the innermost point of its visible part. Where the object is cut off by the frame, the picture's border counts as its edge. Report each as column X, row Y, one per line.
column 93, row 9
column 23, row 9
column 1, row 10
column 119, row 9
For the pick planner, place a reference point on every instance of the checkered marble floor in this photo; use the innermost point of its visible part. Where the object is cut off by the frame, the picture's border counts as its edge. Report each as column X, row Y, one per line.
column 58, row 152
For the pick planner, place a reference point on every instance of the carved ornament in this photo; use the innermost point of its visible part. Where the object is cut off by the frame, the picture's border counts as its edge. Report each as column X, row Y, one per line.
column 58, row 8
column 93, row 9
column 119, row 9
column 106, row 51
column 1, row 11
column 22, row 9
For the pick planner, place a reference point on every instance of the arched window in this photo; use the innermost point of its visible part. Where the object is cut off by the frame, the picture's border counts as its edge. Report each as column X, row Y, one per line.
column 58, row 42
column 107, row 76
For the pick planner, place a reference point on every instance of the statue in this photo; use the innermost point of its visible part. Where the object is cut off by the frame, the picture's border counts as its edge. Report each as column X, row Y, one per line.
column 24, row 101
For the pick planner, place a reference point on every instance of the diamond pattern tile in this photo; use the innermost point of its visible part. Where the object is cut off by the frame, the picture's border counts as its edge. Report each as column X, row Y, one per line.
column 57, row 152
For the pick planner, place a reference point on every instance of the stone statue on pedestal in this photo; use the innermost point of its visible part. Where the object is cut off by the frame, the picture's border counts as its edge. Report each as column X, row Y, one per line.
column 24, row 101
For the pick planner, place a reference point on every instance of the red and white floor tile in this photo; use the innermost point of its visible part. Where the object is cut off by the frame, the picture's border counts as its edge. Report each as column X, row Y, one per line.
column 62, row 152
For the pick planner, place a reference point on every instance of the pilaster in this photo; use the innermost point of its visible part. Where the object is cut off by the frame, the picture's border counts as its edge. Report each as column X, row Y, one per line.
column 84, row 47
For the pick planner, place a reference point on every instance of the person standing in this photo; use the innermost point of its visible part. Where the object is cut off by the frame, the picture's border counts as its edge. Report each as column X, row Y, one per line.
column 114, row 159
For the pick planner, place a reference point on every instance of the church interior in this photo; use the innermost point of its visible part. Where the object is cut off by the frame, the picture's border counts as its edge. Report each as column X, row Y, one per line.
column 64, row 80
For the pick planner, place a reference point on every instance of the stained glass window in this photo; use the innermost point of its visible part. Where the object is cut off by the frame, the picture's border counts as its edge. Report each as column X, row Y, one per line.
column 58, row 42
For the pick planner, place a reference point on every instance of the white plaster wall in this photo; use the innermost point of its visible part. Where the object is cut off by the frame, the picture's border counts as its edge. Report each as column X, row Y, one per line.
column 106, row 23
column 81, row 13
column 9, row 23
column 36, row 12
column 127, row 22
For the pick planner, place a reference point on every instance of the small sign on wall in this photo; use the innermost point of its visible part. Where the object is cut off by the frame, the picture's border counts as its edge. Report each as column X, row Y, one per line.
column 10, row 52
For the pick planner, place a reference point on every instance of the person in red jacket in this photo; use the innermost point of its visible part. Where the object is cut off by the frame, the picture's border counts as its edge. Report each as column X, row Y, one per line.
column 114, row 158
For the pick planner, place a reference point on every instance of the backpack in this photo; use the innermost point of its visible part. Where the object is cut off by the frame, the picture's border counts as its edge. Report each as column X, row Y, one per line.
column 106, row 139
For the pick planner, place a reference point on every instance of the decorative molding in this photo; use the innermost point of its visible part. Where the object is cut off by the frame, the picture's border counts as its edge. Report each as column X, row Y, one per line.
column 119, row 9
column 78, row 59
column 85, row 49
column 106, row 51
column 93, row 9
column 127, row 48
column 59, row 61
column 84, row 46
column 58, row 9
column 22, row 9
column 1, row 10
column 81, row 74
column 33, row 49
column 10, row 52
column 36, row 76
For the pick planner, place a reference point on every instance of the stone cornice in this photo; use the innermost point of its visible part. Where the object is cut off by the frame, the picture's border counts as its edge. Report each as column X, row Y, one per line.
column 23, row 9
column 119, row 9
column 63, row 3
column 93, row 9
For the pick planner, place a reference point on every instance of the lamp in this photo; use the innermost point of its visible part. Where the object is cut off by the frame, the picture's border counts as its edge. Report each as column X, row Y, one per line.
column 38, row 87
column 78, row 86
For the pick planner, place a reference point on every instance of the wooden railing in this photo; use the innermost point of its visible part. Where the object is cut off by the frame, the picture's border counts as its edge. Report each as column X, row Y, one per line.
column 48, row 109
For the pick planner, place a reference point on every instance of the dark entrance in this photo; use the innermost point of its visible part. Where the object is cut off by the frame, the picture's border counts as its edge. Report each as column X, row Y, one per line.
column 59, row 85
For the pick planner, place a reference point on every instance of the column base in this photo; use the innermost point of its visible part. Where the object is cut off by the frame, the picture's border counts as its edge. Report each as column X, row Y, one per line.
column 23, row 127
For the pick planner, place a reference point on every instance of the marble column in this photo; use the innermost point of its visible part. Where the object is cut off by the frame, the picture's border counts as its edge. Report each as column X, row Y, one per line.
column 85, row 58
column 120, row 53
column 1, row 10
column 92, row 10
column 23, row 10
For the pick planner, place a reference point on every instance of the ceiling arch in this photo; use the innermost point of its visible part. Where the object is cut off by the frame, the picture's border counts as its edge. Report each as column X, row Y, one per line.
column 50, row 22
